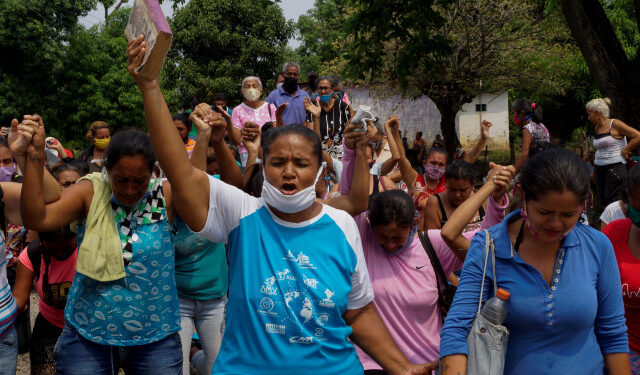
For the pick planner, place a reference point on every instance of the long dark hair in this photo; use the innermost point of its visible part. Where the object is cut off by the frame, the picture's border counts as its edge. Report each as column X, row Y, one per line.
column 556, row 169
column 392, row 206
column 529, row 109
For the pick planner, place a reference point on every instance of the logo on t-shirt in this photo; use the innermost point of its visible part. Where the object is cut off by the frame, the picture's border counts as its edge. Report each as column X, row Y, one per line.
column 302, row 260
column 327, row 302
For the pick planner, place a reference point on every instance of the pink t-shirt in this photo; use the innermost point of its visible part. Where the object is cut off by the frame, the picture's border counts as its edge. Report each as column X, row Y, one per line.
column 60, row 278
column 404, row 286
column 243, row 113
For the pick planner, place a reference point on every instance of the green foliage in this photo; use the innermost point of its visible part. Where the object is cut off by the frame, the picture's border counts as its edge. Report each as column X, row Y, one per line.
column 70, row 75
column 621, row 13
column 95, row 83
column 32, row 37
column 322, row 38
column 218, row 43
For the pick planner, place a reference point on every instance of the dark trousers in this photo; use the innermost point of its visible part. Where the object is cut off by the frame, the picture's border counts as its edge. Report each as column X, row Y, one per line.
column 43, row 341
column 610, row 181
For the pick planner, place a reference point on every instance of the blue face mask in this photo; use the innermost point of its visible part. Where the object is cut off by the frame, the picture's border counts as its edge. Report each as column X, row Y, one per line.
column 326, row 98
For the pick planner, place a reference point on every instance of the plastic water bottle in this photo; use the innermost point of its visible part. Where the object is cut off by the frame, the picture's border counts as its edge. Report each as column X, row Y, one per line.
column 496, row 308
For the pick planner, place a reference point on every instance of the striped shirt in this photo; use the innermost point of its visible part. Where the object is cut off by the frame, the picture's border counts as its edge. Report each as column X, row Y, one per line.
column 8, row 307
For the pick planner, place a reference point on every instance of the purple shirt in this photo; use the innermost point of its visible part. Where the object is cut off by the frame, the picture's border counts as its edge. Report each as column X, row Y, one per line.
column 294, row 113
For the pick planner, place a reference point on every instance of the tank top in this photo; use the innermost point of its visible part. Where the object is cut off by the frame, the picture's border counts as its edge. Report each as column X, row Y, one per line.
column 474, row 224
column 608, row 148
column 539, row 132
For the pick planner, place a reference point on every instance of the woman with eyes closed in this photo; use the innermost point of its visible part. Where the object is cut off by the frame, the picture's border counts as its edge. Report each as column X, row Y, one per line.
column 566, row 313
column 298, row 285
column 122, row 308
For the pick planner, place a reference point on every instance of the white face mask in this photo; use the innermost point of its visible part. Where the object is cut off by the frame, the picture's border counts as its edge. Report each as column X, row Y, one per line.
column 251, row 94
column 289, row 204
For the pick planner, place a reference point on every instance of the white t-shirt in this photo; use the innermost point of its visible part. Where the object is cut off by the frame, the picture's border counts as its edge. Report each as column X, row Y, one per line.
column 290, row 284
column 612, row 213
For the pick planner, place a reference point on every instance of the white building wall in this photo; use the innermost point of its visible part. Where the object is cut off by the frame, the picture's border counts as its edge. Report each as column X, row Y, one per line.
column 468, row 121
column 422, row 115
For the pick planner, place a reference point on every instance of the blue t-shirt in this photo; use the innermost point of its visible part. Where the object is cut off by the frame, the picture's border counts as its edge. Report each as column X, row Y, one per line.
column 201, row 265
column 295, row 112
column 138, row 309
column 290, row 284
column 562, row 328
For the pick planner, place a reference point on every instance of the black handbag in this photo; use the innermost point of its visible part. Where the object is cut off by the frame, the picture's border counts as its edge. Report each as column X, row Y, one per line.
column 446, row 291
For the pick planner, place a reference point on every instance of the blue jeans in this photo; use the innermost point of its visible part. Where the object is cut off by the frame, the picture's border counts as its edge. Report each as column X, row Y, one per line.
column 9, row 352
column 208, row 316
column 76, row 355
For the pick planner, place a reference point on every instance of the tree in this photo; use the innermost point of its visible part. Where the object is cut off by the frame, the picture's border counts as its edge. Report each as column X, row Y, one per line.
column 452, row 50
column 321, row 36
column 94, row 84
column 33, row 34
column 218, row 43
column 610, row 50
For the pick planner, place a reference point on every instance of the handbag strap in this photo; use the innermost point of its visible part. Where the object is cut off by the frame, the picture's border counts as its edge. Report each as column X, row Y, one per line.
column 489, row 247
column 441, row 279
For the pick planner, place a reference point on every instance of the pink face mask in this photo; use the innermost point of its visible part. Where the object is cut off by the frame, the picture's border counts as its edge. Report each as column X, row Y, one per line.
column 6, row 173
column 433, row 173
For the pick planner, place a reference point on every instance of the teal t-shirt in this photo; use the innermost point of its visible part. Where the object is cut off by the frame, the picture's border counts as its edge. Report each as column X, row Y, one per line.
column 201, row 265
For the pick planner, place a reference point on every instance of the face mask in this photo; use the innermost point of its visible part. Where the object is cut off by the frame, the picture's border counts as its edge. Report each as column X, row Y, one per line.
column 251, row 94
column 326, row 98
column 520, row 121
column 376, row 145
column 289, row 204
column 6, row 173
column 290, row 85
column 433, row 173
column 407, row 244
column 634, row 215
column 101, row 144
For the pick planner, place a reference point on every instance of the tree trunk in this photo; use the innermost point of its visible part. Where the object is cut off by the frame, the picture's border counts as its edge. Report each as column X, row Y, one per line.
column 615, row 75
column 448, row 111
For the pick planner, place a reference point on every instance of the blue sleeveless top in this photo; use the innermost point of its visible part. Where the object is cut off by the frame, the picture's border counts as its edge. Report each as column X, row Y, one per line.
column 139, row 309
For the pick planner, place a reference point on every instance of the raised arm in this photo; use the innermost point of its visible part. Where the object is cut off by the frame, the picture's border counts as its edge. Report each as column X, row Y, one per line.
column 315, row 110
column 199, row 154
column 19, row 138
column 36, row 213
column 633, row 137
column 251, row 136
column 191, row 185
column 473, row 155
column 229, row 169
column 279, row 110
column 234, row 133
column 409, row 175
column 357, row 199
column 497, row 184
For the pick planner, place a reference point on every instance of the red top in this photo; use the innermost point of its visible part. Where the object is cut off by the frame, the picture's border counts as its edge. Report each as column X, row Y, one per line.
column 421, row 192
column 629, row 266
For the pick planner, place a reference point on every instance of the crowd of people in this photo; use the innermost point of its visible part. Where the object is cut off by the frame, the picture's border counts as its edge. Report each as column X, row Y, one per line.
column 295, row 234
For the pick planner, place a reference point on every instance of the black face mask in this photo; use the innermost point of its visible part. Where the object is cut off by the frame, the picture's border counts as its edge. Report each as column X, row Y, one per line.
column 290, row 85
